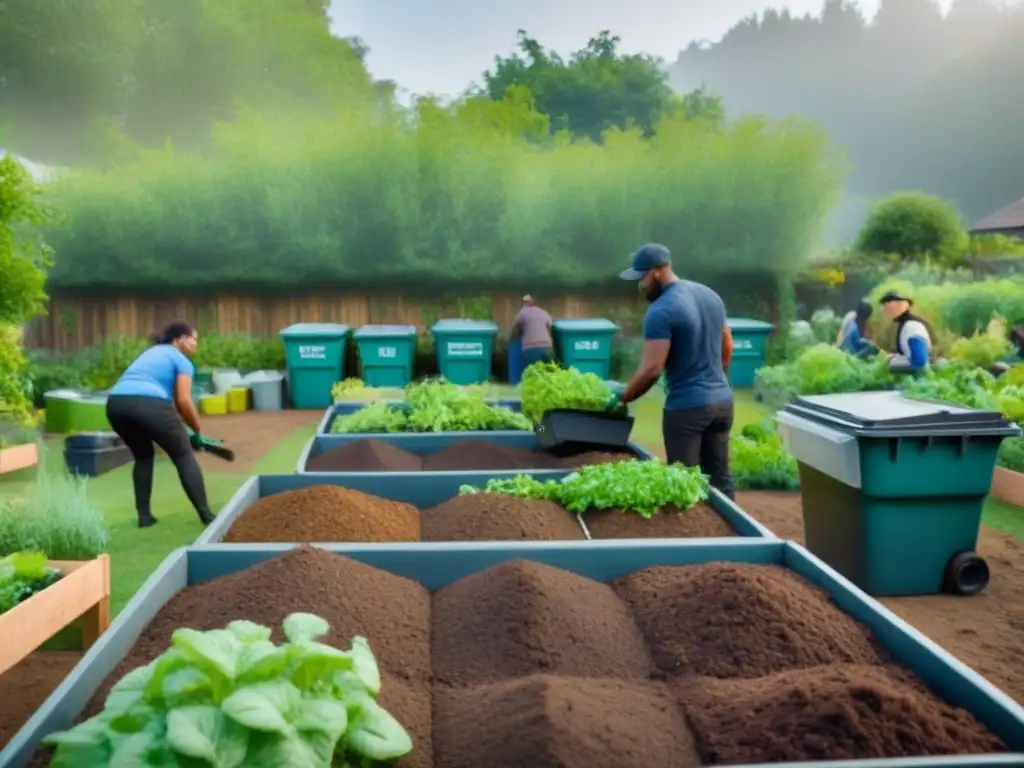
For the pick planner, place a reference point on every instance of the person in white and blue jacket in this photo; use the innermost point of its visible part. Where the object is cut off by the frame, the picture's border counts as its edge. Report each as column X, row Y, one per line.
column 913, row 335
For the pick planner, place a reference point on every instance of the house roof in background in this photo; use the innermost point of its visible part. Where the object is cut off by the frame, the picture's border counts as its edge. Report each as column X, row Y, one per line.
column 1010, row 217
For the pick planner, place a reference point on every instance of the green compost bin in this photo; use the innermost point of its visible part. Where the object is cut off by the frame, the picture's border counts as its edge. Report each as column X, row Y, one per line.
column 749, row 339
column 386, row 354
column 893, row 488
column 315, row 356
column 586, row 344
column 465, row 349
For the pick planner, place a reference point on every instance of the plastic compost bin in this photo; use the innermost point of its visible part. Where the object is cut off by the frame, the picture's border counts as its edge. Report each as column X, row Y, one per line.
column 315, row 355
column 602, row 560
column 749, row 339
column 58, row 409
column 267, row 390
column 421, row 489
column 348, row 407
column 386, row 354
column 426, row 443
column 893, row 488
column 586, row 344
column 465, row 349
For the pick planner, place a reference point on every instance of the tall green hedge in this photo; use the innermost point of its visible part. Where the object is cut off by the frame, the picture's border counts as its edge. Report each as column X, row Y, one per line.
column 459, row 198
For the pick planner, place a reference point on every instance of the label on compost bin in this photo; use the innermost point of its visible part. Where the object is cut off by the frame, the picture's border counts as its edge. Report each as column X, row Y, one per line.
column 387, row 352
column 743, row 344
column 465, row 349
column 586, row 346
column 312, row 352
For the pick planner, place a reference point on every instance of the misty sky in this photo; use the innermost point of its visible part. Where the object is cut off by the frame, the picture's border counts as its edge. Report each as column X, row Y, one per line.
column 439, row 46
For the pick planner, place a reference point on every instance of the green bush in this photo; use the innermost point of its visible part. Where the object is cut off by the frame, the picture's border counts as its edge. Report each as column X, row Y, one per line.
column 915, row 226
column 455, row 199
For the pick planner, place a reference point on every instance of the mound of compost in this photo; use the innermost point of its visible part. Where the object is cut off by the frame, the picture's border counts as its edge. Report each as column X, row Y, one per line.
column 474, row 454
column 522, row 617
column 493, row 517
column 836, row 712
column 556, row 722
column 368, row 455
column 731, row 620
column 699, row 522
column 325, row 513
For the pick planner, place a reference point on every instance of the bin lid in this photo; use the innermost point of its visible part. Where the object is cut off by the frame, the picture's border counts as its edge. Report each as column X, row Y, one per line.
column 385, row 330
column 463, row 326
column 890, row 414
column 584, row 324
column 299, row 330
column 63, row 394
column 751, row 326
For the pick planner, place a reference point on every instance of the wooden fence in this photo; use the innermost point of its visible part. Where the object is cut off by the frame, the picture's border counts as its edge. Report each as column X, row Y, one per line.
column 75, row 323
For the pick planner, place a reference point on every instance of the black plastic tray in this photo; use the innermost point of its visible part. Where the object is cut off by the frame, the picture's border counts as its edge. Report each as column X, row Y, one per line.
column 83, row 441
column 93, row 462
column 564, row 431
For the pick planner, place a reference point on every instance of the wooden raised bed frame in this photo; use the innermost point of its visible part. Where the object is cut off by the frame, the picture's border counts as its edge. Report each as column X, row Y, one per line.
column 18, row 457
column 1008, row 486
column 83, row 591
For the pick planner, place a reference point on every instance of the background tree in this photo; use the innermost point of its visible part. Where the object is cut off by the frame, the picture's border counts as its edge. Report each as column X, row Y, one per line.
column 915, row 226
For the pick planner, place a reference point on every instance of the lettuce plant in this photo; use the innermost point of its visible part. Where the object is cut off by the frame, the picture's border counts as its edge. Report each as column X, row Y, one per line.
column 230, row 697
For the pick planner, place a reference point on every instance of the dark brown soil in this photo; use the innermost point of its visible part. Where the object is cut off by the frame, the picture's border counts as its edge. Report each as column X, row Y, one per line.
column 725, row 620
column 699, row 522
column 365, row 456
column 470, row 455
column 492, row 517
column 556, row 722
column 25, row 686
column 840, row 712
column 325, row 513
column 521, row 618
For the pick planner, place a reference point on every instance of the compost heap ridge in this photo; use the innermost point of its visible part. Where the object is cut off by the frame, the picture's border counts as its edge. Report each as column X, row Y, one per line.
column 373, row 455
column 526, row 664
column 334, row 513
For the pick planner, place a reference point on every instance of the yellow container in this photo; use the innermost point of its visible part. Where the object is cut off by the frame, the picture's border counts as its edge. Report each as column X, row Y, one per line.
column 213, row 405
column 238, row 400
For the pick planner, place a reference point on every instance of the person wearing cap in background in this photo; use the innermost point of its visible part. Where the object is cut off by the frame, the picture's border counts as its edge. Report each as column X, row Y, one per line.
column 686, row 335
column 852, row 337
column 913, row 335
column 533, row 327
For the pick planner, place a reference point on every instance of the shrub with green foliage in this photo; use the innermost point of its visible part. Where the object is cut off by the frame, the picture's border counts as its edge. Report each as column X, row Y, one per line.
column 915, row 226
column 822, row 370
column 461, row 196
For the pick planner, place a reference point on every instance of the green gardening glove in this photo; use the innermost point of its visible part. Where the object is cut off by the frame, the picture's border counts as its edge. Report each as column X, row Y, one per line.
column 615, row 406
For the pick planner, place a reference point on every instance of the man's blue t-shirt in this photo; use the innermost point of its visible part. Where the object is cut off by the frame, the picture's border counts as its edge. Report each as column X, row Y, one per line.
column 692, row 317
column 152, row 374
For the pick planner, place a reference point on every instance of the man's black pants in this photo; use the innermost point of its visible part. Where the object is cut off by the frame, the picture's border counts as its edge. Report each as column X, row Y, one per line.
column 699, row 437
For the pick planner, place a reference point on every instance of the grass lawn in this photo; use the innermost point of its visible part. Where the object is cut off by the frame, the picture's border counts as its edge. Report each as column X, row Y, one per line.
column 135, row 554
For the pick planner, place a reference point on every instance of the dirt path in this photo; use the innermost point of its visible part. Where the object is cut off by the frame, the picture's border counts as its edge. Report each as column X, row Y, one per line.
column 986, row 632
column 251, row 436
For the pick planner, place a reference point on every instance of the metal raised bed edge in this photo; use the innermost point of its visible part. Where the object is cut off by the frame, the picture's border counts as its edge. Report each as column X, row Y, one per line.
column 348, row 407
column 421, row 489
column 426, row 443
column 604, row 560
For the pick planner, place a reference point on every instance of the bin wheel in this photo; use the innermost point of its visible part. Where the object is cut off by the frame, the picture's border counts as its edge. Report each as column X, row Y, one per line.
column 966, row 574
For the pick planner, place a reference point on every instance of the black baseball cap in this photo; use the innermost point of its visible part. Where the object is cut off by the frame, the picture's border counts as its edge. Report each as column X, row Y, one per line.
column 890, row 296
column 646, row 258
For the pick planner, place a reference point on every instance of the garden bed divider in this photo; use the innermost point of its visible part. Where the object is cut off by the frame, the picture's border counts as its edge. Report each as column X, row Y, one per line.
column 1008, row 486
column 436, row 565
column 82, row 591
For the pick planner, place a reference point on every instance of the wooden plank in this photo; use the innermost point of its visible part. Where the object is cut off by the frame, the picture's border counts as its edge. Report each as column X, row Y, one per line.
column 84, row 590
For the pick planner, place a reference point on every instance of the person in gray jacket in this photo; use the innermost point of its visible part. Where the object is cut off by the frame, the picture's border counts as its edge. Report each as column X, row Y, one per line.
column 532, row 327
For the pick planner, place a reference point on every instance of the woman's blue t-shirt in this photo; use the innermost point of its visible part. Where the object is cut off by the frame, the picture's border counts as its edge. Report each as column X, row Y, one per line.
column 152, row 374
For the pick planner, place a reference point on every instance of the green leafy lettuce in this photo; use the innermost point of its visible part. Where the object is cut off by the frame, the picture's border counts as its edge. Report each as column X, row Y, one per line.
column 230, row 697
column 822, row 370
column 638, row 486
column 759, row 460
column 23, row 574
column 547, row 387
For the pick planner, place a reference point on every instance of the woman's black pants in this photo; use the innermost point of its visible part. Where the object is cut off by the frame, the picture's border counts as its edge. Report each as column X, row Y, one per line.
column 143, row 421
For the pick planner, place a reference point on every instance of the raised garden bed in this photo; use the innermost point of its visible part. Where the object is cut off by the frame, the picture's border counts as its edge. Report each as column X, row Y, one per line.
column 82, row 592
column 14, row 458
column 1008, row 486
column 599, row 654
column 450, row 452
column 347, row 408
column 426, row 507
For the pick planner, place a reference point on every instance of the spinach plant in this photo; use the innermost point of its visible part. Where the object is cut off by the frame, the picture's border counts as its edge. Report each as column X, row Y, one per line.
column 230, row 697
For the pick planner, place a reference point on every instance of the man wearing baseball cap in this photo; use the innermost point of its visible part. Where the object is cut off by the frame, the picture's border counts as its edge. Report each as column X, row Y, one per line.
column 913, row 336
column 532, row 327
column 686, row 336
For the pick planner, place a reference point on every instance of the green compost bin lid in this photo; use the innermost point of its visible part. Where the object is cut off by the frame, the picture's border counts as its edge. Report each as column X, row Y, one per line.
column 305, row 330
column 465, row 326
column 385, row 331
column 748, row 325
column 889, row 414
column 585, row 325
